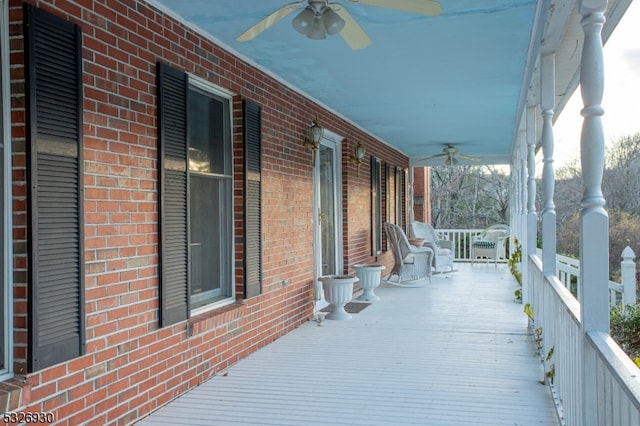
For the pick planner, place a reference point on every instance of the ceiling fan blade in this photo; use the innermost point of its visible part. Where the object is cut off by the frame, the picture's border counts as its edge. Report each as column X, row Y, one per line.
column 468, row 157
column 267, row 22
column 434, row 156
column 422, row 7
column 352, row 32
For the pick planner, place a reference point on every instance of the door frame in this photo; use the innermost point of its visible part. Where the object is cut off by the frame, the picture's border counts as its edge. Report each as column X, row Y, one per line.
column 334, row 141
column 6, row 250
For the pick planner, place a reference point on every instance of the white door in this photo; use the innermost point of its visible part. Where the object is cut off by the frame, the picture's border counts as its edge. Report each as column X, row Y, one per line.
column 327, row 211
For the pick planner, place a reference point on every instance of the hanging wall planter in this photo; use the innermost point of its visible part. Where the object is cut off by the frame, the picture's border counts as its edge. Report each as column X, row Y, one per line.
column 369, row 276
column 338, row 291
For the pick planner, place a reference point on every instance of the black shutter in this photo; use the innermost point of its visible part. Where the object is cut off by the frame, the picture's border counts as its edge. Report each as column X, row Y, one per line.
column 54, row 149
column 387, row 202
column 172, row 164
column 252, row 130
column 376, row 206
column 399, row 196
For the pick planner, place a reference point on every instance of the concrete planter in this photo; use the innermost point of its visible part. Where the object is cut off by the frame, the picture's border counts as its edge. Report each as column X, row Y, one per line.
column 369, row 276
column 338, row 291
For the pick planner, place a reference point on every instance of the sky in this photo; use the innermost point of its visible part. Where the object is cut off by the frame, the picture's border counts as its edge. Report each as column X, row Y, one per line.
column 621, row 99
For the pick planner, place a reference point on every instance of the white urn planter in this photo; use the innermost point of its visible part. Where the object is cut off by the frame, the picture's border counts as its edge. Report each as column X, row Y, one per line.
column 338, row 291
column 369, row 276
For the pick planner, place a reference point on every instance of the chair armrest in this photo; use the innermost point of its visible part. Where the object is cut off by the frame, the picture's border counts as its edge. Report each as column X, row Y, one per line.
column 431, row 246
column 446, row 244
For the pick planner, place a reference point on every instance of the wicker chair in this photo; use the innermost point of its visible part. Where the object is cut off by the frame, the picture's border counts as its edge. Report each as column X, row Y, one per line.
column 411, row 264
column 491, row 243
column 443, row 249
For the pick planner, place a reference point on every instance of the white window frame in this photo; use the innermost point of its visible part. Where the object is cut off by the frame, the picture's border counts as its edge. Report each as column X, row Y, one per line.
column 6, row 372
column 229, row 288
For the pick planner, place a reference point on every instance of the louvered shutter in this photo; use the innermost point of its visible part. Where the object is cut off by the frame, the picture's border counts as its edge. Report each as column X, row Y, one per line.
column 172, row 163
column 56, row 266
column 399, row 196
column 376, row 206
column 387, row 201
column 253, row 199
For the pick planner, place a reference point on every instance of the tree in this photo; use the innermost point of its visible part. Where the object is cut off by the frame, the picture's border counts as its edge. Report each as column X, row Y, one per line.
column 621, row 178
column 620, row 183
column 624, row 230
column 468, row 196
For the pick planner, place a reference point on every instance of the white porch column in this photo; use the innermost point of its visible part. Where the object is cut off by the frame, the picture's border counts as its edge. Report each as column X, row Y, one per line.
column 532, row 215
column 547, row 95
column 514, row 195
column 524, row 191
column 529, row 245
column 594, row 221
column 411, row 194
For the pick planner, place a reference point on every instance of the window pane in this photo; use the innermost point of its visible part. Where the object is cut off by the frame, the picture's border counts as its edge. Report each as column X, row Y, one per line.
column 210, row 239
column 208, row 130
column 327, row 210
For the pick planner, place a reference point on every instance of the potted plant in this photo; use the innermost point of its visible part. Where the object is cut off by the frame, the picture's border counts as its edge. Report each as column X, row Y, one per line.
column 338, row 291
column 369, row 275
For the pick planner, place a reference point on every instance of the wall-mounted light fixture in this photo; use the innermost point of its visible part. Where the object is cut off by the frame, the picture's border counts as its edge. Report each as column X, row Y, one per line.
column 358, row 155
column 314, row 136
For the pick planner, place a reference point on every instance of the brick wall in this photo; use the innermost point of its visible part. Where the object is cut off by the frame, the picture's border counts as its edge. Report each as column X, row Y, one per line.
column 131, row 366
column 422, row 212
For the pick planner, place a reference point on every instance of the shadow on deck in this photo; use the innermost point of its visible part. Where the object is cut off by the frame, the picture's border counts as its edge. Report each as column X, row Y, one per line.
column 454, row 352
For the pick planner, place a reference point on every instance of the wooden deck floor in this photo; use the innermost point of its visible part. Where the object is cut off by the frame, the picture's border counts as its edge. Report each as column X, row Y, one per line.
column 454, row 352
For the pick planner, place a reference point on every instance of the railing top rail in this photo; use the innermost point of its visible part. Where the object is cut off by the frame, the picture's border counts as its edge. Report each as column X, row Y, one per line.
column 619, row 365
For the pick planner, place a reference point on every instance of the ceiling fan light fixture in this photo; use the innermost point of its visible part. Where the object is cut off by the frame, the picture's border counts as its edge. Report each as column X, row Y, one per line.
column 451, row 161
column 303, row 21
column 332, row 22
column 317, row 31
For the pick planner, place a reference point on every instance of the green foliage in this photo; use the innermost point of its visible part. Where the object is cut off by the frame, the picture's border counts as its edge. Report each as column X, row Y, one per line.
column 514, row 266
column 528, row 310
column 518, row 294
column 625, row 328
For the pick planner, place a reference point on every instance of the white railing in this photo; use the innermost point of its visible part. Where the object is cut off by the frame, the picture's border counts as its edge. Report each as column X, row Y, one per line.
column 568, row 272
column 555, row 314
column 462, row 240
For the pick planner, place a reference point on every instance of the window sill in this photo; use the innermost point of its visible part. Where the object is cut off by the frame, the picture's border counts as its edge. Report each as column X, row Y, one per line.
column 214, row 318
column 13, row 395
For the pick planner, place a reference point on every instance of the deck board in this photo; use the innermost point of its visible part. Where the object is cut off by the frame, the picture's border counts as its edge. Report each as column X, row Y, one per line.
column 454, row 352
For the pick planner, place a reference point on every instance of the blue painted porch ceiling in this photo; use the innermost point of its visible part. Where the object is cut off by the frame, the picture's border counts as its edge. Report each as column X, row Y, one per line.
column 423, row 82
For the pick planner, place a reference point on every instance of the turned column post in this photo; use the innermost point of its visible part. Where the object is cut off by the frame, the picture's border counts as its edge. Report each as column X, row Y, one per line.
column 547, row 96
column 532, row 215
column 594, row 221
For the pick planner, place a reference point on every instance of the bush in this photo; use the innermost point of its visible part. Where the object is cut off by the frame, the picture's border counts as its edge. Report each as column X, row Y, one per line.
column 625, row 329
column 624, row 230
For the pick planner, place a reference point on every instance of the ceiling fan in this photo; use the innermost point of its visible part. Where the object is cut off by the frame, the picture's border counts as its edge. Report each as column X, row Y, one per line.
column 321, row 18
column 451, row 155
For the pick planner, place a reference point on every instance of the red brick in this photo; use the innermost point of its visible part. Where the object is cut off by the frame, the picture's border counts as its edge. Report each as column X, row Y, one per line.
column 121, row 213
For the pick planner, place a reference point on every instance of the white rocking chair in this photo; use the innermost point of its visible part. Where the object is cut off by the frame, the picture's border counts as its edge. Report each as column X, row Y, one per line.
column 411, row 264
column 443, row 249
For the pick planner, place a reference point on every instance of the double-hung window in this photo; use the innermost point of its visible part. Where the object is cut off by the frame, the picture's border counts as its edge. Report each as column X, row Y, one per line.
column 196, row 195
column 210, row 195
